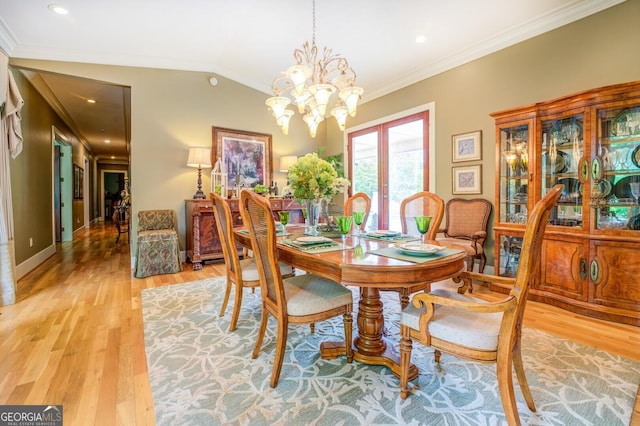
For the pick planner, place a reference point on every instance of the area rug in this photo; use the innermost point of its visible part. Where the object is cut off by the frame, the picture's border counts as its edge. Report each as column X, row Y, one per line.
column 201, row 374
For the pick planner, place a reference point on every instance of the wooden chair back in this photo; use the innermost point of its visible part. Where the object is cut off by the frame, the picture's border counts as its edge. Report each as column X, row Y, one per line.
column 466, row 217
column 258, row 218
column 224, row 225
column 358, row 202
column 423, row 203
column 530, row 258
column 466, row 224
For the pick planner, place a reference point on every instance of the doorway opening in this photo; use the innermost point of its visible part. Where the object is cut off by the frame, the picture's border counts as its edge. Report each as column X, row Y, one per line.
column 62, row 192
column 113, row 182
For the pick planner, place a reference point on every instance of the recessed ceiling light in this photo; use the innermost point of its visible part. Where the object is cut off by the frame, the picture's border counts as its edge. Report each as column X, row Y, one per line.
column 91, row 101
column 60, row 10
column 107, row 141
column 421, row 39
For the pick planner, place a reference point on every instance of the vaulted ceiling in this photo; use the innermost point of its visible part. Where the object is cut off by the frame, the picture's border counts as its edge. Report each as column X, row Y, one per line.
column 252, row 41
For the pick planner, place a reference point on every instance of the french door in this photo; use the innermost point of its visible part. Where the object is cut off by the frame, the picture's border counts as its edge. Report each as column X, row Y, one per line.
column 389, row 162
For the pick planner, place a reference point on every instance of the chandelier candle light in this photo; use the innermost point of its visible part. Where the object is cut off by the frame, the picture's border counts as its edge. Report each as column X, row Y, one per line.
column 311, row 83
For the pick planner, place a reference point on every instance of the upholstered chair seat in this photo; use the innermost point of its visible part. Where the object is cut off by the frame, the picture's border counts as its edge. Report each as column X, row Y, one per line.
column 309, row 294
column 463, row 328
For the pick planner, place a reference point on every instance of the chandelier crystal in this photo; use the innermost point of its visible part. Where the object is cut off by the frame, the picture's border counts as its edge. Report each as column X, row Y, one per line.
column 314, row 84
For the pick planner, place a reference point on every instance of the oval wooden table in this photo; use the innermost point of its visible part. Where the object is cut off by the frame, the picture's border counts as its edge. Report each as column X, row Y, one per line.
column 371, row 273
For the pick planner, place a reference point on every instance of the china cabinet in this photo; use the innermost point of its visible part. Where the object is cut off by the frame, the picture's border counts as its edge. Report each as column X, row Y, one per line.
column 590, row 143
column 202, row 239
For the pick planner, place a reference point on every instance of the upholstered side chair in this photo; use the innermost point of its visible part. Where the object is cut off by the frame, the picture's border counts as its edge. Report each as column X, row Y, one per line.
column 302, row 299
column 158, row 250
column 468, row 327
column 241, row 273
column 466, row 228
column 358, row 202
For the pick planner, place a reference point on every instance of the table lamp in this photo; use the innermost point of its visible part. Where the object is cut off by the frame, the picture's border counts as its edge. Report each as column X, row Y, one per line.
column 286, row 162
column 200, row 158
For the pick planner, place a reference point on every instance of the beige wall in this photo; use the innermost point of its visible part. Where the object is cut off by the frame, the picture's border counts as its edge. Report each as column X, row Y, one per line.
column 31, row 173
column 596, row 51
column 172, row 110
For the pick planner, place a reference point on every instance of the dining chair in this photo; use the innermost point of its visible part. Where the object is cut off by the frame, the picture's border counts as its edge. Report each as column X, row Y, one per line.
column 466, row 228
column 423, row 203
column 467, row 327
column 243, row 273
column 301, row 299
column 358, row 202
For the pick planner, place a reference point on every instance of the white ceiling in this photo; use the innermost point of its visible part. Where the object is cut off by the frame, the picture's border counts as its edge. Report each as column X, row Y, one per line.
column 251, row 41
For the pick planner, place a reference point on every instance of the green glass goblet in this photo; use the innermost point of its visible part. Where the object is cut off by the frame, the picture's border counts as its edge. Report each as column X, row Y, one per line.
column 422, row 223
column 283, row 215
column 344, row 226
column 358, row 218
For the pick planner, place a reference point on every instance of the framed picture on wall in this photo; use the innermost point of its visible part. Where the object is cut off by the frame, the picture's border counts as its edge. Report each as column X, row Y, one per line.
column 467, row 180
column 246, row 156
column 467, row 146
column 78, row 182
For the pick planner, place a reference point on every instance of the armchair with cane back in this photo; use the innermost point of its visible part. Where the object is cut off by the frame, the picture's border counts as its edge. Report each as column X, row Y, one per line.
column 474, row 329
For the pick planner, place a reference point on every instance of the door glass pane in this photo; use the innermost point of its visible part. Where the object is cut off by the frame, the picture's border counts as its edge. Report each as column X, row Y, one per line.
column 406, row 166
column 365, row 172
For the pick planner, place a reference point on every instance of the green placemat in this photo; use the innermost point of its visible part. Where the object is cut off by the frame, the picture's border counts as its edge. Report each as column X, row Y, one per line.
column 395, row 254
column 399, row 238
column 278, row 233
column 314, row 248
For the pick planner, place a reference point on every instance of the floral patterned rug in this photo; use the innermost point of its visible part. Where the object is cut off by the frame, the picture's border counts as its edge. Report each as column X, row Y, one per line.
column 203, row 375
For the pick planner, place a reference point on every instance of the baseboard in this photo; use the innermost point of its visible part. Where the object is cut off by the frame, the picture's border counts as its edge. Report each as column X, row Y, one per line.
column 34, row 261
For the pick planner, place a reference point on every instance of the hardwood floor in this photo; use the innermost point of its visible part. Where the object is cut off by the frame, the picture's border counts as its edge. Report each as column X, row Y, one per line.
column 75, row 335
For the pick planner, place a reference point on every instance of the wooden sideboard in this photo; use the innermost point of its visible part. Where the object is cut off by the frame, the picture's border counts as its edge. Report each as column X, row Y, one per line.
column 202, row 239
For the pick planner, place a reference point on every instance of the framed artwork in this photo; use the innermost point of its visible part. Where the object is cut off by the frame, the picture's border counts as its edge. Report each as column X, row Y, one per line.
column 78, row 182
column 467, row 146
column 246, row 156
column 467, row 180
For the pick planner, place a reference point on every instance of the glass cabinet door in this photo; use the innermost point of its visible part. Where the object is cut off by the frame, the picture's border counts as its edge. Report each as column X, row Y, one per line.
column 618, row 139
column 514, row 163
column 561, row 154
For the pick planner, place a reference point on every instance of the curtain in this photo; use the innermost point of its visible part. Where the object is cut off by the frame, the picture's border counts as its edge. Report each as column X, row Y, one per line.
column 10, row 146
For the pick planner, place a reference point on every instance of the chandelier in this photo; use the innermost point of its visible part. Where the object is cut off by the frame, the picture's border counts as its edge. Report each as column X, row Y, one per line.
column 312, row 84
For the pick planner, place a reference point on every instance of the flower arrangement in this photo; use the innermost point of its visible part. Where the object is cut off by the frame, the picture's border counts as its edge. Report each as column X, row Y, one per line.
column 311, row 177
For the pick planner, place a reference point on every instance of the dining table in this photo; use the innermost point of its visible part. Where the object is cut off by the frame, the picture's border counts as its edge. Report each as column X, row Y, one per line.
column 372, row 264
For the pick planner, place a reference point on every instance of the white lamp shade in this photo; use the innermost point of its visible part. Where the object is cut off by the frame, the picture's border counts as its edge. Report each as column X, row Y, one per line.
column 199, row 157
column 286, row 162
